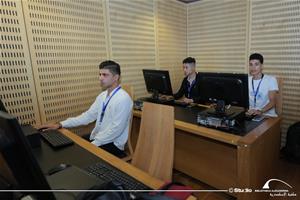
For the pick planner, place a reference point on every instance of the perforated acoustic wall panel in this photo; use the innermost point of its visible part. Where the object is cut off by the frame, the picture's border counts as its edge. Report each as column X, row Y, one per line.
column 17, row 87
column 275, row 32
column 217, row 35
column 171, row 28
column 67, row 43
column 132, row 40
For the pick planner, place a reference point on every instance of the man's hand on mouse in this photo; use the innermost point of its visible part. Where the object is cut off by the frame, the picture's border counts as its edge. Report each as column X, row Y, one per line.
column 46, row 127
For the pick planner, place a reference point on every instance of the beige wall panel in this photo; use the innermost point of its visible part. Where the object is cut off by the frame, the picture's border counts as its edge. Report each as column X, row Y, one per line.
column 171, row 29
column 217, row 35
column 275, row 28
column 64, row 41
column 17, row 89
column 132, row 35
column 67, row 42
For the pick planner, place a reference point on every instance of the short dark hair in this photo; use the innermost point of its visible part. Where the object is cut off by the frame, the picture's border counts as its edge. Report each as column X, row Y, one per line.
column 257, row 56
column 189, row 60
column 112, row 66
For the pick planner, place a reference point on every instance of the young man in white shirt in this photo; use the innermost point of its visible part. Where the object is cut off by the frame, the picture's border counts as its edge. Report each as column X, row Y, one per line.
column 262, row 88
column 111, row 111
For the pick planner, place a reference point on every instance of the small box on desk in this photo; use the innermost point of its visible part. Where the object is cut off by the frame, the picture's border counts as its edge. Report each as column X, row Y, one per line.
column 228, row 119
column 32, row 135
column 233, row 112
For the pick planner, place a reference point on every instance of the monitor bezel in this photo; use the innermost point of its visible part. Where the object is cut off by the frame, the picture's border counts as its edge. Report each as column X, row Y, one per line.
column 2, row 106
column 162, row 73
column 234, row 76
column 20, row 159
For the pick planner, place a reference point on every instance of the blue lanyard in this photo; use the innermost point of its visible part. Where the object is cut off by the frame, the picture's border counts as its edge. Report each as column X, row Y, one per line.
column 257, row 89
column 190, row 87
column 104, row 105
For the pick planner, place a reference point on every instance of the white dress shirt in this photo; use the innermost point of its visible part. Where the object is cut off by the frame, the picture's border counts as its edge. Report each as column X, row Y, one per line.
column 115, row 124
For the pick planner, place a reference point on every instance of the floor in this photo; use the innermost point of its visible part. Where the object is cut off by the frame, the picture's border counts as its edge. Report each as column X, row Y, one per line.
column 288, row 172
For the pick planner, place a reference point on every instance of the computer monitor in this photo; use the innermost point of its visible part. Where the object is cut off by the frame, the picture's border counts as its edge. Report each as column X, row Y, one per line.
column 232, row 88
column 157, row 82
column 20, row 159
column 2, row 107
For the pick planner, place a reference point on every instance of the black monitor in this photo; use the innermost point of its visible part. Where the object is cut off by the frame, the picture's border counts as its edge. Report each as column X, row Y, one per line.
column 232, row 88
column 157, row 82
column 20, row 159
column 2, row 107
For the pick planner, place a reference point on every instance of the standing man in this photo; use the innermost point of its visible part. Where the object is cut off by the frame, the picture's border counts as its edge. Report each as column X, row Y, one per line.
column 262, row 88
column 111, row 111
column 189, row 90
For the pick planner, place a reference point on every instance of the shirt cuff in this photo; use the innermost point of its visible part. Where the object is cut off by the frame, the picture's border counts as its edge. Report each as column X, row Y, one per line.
column 96, row 143
column 62, row 124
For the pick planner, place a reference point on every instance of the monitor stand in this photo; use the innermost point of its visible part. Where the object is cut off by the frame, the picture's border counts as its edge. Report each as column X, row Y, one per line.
column 220, row 110
column 155, row 96
column 232, row 113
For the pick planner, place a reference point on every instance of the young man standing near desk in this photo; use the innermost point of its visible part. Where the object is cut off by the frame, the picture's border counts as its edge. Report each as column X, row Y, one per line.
column 262, row 88
column 111, row 111
column 189, row 91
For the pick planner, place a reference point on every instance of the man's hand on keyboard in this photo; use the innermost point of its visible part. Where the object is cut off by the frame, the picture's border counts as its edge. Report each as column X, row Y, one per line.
column 46, row 127
column 166, row 97
column 186, row 100
column 254, row 112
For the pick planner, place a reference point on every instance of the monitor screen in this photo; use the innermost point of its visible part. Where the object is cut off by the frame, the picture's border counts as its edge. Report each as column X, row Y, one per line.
column 229, row 87
column 2, row 107
column 158, row 82
column 20, row 159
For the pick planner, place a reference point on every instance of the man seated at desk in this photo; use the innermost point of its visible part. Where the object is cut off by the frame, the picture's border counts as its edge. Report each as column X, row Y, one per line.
column 189, row 91
column 111, row 111
column 262, row 88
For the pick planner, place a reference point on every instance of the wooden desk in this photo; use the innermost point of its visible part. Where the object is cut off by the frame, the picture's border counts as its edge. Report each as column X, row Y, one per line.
column 116, row 162
column 47, row 159
column 224, row 160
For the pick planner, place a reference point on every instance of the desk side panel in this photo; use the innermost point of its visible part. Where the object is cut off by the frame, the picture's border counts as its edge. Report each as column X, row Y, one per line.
column 258, row 159
column 207, row 160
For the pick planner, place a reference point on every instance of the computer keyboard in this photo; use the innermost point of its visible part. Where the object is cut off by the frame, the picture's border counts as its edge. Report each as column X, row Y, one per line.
column 169, row 102
column 159, row 101
column 107, row 172
column 56, row 139
column 249, row 117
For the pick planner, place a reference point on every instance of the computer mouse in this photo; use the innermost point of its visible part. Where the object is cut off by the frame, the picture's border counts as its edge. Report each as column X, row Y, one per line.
column 42, row 129
column 58, row 168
